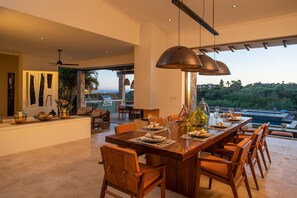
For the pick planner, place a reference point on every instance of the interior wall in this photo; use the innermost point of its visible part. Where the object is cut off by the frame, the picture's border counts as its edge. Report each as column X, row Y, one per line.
column 8, row 64
column 155, row 88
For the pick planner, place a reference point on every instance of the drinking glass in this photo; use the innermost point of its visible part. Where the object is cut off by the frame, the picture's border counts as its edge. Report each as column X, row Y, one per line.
column 217, row 109
column 216, row 114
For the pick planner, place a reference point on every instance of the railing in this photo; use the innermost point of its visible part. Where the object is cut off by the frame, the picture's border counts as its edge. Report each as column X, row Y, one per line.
column 111, row 105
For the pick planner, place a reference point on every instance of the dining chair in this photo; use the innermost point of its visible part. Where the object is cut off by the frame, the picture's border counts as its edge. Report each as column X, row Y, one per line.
column 160, row 121
column 123, row 112
column 172, row 118
column 125, row 127
column 231, row 172
column 263, row 147
column 135, row 113
column 123, row 172
column 253, row 157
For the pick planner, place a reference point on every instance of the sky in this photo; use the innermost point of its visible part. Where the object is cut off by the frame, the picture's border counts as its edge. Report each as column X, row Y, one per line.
column 274, row 65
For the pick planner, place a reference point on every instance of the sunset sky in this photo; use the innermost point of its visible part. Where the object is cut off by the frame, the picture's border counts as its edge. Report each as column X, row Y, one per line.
column 274, row 65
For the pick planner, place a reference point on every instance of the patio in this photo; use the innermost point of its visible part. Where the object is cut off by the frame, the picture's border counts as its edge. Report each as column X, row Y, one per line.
column 71, row 170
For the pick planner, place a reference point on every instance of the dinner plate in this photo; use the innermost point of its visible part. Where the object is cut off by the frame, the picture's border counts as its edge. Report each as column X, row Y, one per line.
column 156, row 128
column 220, row 126
column 155, row 139
column 198, row 134
column 234, row 119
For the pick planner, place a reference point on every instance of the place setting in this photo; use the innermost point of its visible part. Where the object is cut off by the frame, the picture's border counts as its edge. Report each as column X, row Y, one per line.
column 155, row 140
column 200, row 135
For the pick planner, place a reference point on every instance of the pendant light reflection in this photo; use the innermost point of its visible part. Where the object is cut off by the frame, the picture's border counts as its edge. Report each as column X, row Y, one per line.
column 224, row 70
column 208, row 65
column 126, row 82
column 132, row 85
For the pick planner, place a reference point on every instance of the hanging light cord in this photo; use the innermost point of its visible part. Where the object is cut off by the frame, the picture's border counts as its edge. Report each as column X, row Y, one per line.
column 178, row 26
column 203, row 12
column 213, row 21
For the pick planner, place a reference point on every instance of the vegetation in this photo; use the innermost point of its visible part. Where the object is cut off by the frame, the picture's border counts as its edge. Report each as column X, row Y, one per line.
column 252, row 96
column 68, row 86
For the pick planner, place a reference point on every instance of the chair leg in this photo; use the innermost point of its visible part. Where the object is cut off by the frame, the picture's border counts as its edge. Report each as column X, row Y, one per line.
column 263, row 158
column 209, row 183
column 246, row 181
column 267, row 152
column 259, row 165
column 233, row 187
column 253, row 171
column 103, row 188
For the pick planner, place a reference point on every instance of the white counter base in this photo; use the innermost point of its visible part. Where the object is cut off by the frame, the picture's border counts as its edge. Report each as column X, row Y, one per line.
column 24, row 137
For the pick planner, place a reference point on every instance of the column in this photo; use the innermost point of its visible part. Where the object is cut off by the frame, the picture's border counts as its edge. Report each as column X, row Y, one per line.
column 81, row 76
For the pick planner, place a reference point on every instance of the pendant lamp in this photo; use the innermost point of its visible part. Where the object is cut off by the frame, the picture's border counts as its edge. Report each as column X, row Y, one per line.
column 224, row 70
column 126, row 82
column 178, row 57
column 208, row 63
column 132, row 85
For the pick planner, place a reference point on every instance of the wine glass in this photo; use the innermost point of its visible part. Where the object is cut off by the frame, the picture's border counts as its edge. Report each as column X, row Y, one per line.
column 216, row 114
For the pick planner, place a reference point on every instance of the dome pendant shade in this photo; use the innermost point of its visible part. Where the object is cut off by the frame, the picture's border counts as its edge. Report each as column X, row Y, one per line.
column 127, row 82
column 178, row 57
column 132, row 85
column 209, row 65
column 224, row 70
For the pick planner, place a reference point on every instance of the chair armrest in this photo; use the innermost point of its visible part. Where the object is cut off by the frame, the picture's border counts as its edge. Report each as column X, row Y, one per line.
column 152, row 169
column 222, row 161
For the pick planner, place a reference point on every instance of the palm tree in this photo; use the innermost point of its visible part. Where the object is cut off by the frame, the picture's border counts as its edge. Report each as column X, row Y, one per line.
column 91, row 80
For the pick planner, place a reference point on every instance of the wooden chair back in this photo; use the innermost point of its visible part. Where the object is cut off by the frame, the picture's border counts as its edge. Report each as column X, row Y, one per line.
column 120, row 167
column 239, row 157
column 125, row 128
column 256, row 138
column 160, row 121
column 172, row 118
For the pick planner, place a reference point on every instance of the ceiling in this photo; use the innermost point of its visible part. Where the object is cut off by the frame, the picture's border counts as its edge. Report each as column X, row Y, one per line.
column 21, row 33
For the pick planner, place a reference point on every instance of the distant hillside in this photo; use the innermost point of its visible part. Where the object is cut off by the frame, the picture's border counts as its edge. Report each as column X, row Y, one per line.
column 252, row 96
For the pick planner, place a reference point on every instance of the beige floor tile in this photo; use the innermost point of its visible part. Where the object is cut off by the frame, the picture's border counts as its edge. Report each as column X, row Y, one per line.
column 72, row 170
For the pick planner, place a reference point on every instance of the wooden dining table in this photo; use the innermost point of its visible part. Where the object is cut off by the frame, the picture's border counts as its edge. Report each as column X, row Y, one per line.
column 180, row 156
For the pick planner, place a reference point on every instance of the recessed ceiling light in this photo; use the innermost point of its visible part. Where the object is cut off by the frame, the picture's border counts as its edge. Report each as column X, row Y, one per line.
column 41, row 38
column 234, row 6
column 169, row 20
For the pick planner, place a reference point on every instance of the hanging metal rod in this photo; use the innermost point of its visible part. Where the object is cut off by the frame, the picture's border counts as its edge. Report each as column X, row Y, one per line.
column 194, row 16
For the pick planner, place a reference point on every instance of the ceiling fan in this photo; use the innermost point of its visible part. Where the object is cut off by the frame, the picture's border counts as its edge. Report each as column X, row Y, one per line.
column 60, row 62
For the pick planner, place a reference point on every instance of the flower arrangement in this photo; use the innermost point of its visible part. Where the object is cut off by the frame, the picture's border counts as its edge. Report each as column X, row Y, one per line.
column 63, row 104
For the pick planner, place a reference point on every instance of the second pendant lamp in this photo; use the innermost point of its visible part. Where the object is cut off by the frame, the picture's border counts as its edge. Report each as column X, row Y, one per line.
column 208, row 65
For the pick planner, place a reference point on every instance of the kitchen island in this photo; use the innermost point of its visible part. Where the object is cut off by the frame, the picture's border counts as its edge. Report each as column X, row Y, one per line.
column 34, row 134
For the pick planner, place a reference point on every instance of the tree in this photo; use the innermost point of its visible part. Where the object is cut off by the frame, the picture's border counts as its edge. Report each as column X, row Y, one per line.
column 221, row 83
column 228, row 83
column 91, row 80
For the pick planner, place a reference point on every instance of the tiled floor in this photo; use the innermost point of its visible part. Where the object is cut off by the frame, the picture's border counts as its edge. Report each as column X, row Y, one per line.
column 71, row 170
